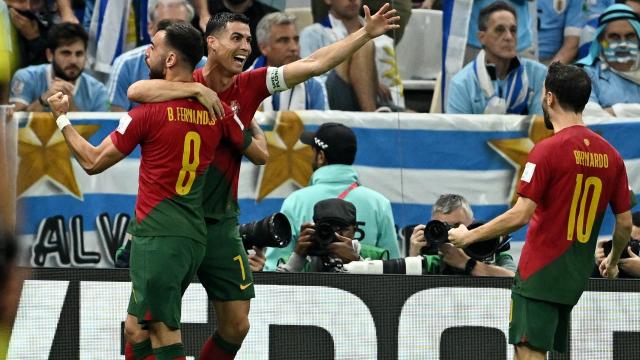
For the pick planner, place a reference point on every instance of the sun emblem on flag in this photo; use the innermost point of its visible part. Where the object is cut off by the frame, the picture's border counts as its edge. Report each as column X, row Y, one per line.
column 289, row 159
column 516, row 151
column 44, row 155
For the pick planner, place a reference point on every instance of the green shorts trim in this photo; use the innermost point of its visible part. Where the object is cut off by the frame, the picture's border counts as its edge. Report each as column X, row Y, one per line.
column 161, row 269
column 539, row 324
column 224, row 271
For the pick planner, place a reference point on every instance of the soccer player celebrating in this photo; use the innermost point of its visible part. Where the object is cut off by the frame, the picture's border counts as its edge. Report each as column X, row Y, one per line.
column 222, row 272
column 567, row 183
column 178, row 139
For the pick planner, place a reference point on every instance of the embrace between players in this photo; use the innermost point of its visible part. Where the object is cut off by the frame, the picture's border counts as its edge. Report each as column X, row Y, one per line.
column 187, row 209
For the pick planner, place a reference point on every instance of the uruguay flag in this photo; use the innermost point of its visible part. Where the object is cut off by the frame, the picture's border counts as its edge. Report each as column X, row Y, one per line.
column 68, row 218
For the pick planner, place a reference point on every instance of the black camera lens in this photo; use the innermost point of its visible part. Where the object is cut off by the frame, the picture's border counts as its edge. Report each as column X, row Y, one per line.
column 436, row 232
column 272, row 231
column 323, row 236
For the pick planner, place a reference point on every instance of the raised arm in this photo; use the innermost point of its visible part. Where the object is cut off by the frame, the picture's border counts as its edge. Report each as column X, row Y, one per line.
column 93, row 159
column 328, row 57
column 152, row 91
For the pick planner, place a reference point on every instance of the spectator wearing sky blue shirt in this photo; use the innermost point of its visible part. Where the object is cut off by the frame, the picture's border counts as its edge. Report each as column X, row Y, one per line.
column 613, row 65
column 497, row 81
column 525, row 40
column 131, row 66
column 66, row 52
column 559, row 26
column 279, row 43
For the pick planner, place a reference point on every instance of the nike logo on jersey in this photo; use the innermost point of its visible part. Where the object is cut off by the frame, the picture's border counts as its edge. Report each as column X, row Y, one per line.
column 244, row 287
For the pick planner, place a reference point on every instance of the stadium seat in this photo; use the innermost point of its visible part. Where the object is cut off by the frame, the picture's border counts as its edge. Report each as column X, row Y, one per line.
column 303, row 16
column 419, row 52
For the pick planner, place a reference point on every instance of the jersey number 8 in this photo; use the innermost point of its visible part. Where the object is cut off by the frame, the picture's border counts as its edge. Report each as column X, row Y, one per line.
column 189, row 163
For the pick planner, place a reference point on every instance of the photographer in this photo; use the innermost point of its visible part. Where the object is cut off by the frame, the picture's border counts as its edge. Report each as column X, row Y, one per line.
column 629, row 266
column 328, row 243
column 454, row 210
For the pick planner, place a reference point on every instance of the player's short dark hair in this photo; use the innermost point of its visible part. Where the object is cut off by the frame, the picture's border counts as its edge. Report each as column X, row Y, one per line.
column 219, row 21
column 65, row 34
column 186, row 40
column 570, row 84
column 485, row 13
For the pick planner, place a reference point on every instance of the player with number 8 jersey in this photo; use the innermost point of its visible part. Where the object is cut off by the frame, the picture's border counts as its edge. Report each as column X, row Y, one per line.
column 178, row 142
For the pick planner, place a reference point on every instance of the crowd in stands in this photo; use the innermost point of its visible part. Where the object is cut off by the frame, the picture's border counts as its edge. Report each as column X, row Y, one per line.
column 48, row 46
column 509, row 45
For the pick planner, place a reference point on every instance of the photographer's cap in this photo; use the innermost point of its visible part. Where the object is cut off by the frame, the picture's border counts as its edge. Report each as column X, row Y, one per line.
column 336, row 140
column 336, row 211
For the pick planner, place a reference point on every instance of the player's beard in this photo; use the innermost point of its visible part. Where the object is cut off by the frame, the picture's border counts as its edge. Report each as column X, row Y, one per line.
column 59, row 72
column 156, row 72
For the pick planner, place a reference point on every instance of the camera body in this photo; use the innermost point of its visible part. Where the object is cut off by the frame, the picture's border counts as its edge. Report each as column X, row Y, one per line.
column 323, row 236
column 436, row 233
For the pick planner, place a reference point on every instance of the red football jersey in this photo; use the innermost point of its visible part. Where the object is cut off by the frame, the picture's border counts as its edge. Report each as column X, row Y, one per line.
column 244, row 96
column 571, row 177
column 178, row 141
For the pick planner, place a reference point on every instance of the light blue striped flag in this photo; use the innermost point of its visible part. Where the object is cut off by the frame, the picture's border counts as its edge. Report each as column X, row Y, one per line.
column 409, row 158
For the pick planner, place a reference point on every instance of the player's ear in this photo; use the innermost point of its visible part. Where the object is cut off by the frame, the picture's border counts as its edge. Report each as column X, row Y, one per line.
column 171, row 59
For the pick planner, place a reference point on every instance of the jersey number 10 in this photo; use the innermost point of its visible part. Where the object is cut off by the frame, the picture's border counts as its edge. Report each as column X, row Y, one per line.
column 580, row 194
column 189, row 164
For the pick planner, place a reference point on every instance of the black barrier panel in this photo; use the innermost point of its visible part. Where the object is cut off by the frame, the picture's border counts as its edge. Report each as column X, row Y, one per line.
column 312, row 316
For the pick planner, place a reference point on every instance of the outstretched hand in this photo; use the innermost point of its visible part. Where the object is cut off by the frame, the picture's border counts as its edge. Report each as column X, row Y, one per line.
column 59, row 104
column 381, row 22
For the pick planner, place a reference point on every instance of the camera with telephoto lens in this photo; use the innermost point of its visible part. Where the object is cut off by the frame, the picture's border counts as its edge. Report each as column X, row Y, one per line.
column 272, row 231
column 633, row 243
column 323, row 236
column 436, row 233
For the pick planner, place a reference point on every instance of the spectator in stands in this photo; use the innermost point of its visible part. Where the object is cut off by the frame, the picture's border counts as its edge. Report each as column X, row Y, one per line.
column 320, row 10
column 592, row 11
column 31, row 21
column 252, row 9
column 629, row 267
column 279, row 43
column 334, row 147
column 314, row 251
column 455, row 210
column 525, row 46
column 131, row 66
column 369, row 80
column 66, row 52
column 613, row 63
column 497, row 81
column 560, row 23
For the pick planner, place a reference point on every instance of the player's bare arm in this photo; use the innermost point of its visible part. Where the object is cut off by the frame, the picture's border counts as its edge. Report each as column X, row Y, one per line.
column 621, row 235
column 328, row 57
column 510, row 221
column 93, row 159
column 257, row 152
column 156, row 90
